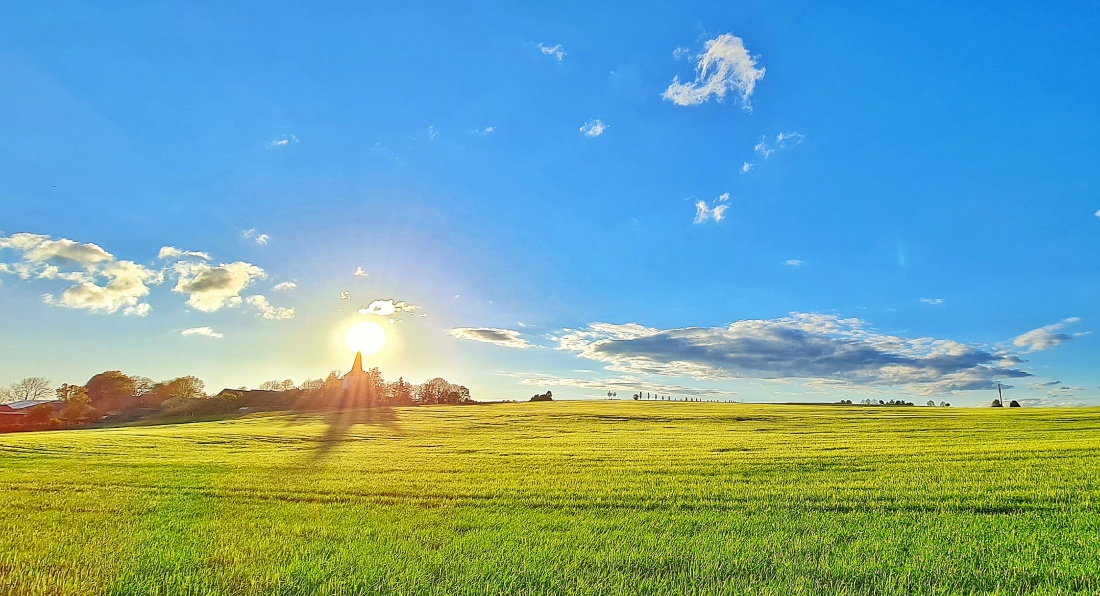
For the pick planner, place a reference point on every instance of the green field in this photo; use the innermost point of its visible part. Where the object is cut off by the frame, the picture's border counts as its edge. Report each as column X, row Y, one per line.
column 562, row 498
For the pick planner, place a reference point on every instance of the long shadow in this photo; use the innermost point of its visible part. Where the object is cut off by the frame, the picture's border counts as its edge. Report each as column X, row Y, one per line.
column 338, row 424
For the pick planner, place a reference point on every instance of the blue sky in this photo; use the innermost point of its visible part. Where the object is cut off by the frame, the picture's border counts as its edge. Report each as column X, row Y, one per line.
column 758, row 201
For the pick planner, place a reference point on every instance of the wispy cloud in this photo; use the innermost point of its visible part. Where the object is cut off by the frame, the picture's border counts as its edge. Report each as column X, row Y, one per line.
column 801, row 346
column 255, row 236
column 171, row 252
column 1044, row 338
column 783, row 140
column 387, row 307
column 202, row 331
column 594, row 128
column 283, row 141
column 286, row 285
column 625, row 385
column 556, row 50
column 267, row 311
column 502, row 337
column 932, row 301
column 359, row 272
column 488, row 130
column 745, row 167
column 793, row 262
column 725, row 65
column 716, row 211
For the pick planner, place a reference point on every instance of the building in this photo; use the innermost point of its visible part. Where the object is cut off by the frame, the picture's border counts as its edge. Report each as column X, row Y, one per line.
column 356, row 379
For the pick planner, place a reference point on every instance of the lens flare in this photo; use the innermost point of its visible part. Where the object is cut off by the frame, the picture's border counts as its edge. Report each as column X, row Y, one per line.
column 366, row 337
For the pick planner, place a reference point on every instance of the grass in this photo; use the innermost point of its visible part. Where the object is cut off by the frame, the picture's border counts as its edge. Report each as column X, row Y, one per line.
column 561, row 498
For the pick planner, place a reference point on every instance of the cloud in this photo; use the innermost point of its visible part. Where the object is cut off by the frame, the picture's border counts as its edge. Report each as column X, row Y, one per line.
column 1097, row 214
column 286, row 285
column 594, row 128
column 501, row 337
column 102, row 283
column 1044, row 337
column 802, row 346
column 932, row 301
column 717, row 212
column 556, row 51
column 345, row 295
column 359, row 272
column 782, row 141
column 628, row 385
column 432, row 132
column 211, row 288
column 171, row 252
column 725, row 66
column 745, row 167
column 203, row 331
column 38, row 248
column 387, row 307
column 488, row 130
column 793, row 262
column 265, row 310
column 258, row 238
column 283, row 141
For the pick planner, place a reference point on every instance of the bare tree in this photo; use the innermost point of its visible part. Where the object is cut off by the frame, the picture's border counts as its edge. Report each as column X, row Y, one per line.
column 33, row 388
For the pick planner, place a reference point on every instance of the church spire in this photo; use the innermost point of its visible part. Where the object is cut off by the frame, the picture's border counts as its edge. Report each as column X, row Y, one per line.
column 357, row 366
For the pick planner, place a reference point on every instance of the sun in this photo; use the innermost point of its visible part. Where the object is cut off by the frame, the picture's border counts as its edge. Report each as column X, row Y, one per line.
column 366, row 337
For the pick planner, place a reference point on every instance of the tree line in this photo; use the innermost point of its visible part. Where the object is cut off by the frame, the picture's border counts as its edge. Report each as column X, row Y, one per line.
column 118, row 396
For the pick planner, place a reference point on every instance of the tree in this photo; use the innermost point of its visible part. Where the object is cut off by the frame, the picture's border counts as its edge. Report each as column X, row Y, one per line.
column 30, row 388
column 40, row 417
column 996, row 403
column 286, row 385
column 1013, row 404
column 111, row 391
column 312, row 384
column 931, row 403
column 439, row 391
column 78, row 406
column 179, row 389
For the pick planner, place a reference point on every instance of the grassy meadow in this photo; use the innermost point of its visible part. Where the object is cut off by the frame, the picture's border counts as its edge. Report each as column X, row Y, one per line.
column 561, row 498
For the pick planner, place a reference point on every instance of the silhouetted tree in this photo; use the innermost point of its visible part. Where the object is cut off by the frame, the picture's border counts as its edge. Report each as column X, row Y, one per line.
column 543, row 397
column 1013, row 404
column 78, row 406
column 996, row 404
column 285, row 385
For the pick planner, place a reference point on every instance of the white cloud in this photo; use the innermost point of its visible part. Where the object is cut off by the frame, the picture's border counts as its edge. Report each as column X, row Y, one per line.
column 625, row 385
column 267, row 311
column 814, row 347
column 702, row 212
column 1097, row 214
column 283, row 141
column 202, row 331
column 255, row 236
column 171, row 252
column 286, row 285
column 502, row 337
column 387, row 307
column 793, row 262
column 932, row 301
column 38, row 248
column 488, row 130
column 725, row 66
column 717, row 212
column 745, row 167
column 556, row 51
column 359, row 272
column 211, row 288
column 594, row 128
column 432, row 132
column 1044, row 337
column 782, row 141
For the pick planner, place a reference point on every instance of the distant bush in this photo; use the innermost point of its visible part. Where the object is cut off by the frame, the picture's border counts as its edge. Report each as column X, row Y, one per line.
column 542, row 397
column 1013, row 404
column 996, row 404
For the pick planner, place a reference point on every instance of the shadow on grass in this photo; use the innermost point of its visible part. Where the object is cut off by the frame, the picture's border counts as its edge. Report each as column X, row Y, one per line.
column 338, row 424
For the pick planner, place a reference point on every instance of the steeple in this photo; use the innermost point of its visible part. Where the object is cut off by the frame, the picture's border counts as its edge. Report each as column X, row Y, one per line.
column 357, row 366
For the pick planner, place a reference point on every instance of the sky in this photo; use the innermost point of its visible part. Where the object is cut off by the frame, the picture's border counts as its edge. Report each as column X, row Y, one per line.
column 757, row 201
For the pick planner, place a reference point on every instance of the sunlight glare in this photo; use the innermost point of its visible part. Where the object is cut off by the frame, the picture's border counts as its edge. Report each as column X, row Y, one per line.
column 366, row 337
